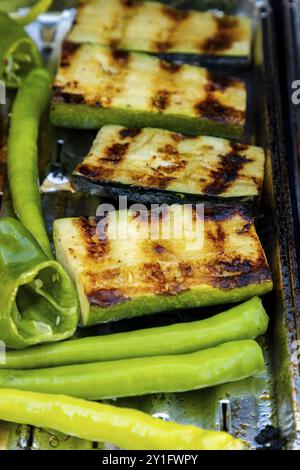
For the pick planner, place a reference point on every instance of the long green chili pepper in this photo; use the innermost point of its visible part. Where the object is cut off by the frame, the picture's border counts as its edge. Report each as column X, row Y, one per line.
column 245, row 321
column 38, row 300
column 22, row 164
column 126, row 428
column 228, row 362
column 37, row 9
column 18, row 53
column 12, row 5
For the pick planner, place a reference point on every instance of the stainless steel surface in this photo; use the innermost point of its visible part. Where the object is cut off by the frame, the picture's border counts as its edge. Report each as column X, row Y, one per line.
column 289, row 53
column 243, row 408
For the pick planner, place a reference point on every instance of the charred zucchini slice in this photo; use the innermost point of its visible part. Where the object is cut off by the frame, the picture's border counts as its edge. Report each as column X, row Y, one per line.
column 96, row 85
column 132, row 160
column 158, row 28
column 123, row 272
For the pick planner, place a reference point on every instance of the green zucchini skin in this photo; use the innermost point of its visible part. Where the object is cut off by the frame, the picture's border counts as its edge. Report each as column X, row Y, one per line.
column 96, row 85
column 123, row 278
column 192, row 299
column 151, row 196
column 221, row 62
column 83, row 116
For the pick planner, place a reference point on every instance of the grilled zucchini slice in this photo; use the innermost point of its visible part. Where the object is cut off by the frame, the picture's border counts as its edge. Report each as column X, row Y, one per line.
column 96, row 85
column 123, row 272
column 168, row 166
column 158, row 28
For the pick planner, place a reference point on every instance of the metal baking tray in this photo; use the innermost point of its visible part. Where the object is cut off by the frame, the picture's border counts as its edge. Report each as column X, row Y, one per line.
column 243, row 408
column 288, row 22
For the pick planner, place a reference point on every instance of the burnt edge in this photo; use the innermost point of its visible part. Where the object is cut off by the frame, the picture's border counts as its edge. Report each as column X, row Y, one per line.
column 210, row 108
column 106, row 297
column 60, row 96
column 129, row 132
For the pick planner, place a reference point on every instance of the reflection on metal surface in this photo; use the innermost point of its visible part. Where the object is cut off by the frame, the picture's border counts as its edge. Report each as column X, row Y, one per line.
column 163, row 416
column 56, row 181
column 2, row 93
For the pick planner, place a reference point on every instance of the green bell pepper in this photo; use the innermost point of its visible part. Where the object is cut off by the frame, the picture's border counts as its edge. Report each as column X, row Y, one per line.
column 18, row 53
column 126, row 428
column 38, row 300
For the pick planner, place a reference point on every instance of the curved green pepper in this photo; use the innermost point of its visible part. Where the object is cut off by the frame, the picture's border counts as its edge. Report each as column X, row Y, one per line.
column 228, row 362
column 245, row 321
column 12, row 5
column 126, row 428
column 22, row 164
column 37, row 9
column 18, row 53
column 38, row 300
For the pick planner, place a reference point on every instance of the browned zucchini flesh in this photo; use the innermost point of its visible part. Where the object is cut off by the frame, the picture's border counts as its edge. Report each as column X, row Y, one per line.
column 96, row 85
column 159, row 262
column 157, row 164
column 158, row 28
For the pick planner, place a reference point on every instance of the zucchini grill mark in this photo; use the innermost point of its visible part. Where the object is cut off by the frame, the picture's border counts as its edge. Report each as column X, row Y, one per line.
column 162, row 97
column 161, row 100
column 171, row 30
column 131, row 133
column 152, row 159
column 106, row 297
column 129, row 3
column 176, row 16
column 170, row 66
column 227, row 33
column 68, row 51
column 217, row 82
column 118, row 59
column 121, row 57
column 211, row 108
column 113, row 155
column 95, row 247
column 68, row 98
column 239, row 272
column 228, row 170
column 156, row 268
column 116, row 152
column 100, row 77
